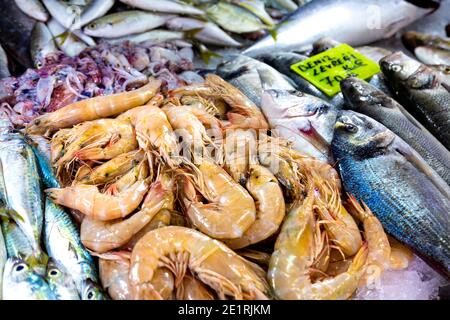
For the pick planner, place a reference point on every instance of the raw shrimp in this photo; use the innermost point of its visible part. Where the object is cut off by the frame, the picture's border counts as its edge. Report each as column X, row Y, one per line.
column 340, row 225
column 114, row 277
column 95, row 108
column 101, row 139
column 113, row 168
column 153, row 130
column 181, row 249
column 240, row 150
column 296, row 250
column 230, row 211
column 270, row 207
column 193, row 289
column 258, row 257
column 139, row 172
column 103, row 236
column 89, row 201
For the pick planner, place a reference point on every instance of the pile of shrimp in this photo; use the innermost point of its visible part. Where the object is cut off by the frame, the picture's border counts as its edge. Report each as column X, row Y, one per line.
column 189, row 195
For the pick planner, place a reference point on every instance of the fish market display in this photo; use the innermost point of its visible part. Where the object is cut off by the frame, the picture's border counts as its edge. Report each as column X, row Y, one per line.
column 354, row 25
column 364, row 98
column 178, row 150
column 408, row 197
column 419, row 90
column 97, row 71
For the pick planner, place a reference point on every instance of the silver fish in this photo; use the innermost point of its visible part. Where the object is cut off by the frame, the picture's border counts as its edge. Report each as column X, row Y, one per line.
column 67, row 42
column 355, row 26
column 408, row 197
column 21, row 189
column 125, row 23
column 4, row 70
column 206, row 32
column 167, row 6
column 364, row 98
column 20, row 282
column 60, row 282
column 256, row 7
column 152, row 36
column 420, row 91
column 95, row 9
column 33, row 8
column 17, row 244
column 42, row 43
column 305, row 120
column 63, row 12
column 432, row 55
column 244, row 73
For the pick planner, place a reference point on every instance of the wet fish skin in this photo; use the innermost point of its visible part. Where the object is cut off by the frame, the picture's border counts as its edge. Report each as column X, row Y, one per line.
column 60, row 282
column 153, row 36
column 33, row 8
column 407, row 196
column 164, row 6
column 41, row 149
column 364, row 98
column 305, row 120
column 430, row 55
column 414, row 39
column 4, row 70
column 206, row 32
column 318, row 18
column 420, row 91
column 124, row 23
column 95, row 9
column 244, row 73
column 17, row 244
column 20, row 282
column 63, row 12
column 63, row 244
column 42, row 43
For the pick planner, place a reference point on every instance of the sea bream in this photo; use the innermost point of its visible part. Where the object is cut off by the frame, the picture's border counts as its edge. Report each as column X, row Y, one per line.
column 355, row 22
column 408, row 197
column 305, row 120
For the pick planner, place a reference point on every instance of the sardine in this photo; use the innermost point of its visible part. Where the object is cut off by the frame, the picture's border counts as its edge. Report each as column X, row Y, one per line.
column 33, row 8
column 60, row 282
column 355, row 26
column 125, row 23
column 20, row 282
column 234, row 18
column 67, row 42
column 408, row 197
column 305, row 120
column 21, row 189
column 420, row 91
column 364, row 98
column 4, row 70
column 167, row 6
column 206, row 32
column 42, row 43
column 63, row 244
column 243, row 73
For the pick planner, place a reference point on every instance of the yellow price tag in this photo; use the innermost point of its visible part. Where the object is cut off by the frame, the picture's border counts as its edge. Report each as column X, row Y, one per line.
column 327, row 69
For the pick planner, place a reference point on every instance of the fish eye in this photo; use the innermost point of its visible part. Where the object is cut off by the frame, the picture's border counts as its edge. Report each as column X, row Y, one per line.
column 92, row 26
column 20, row 267
column 351, row 128
column 54, row 272
column 396, row 68
column 90, row 295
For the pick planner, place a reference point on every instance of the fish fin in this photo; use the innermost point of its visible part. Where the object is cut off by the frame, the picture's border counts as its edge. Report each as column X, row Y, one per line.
column 6, row 213
column 419, row 163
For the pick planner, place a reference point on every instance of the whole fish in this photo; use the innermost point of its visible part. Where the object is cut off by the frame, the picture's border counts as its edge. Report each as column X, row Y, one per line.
column 206, row 32
column 92, row 291
column 3, row 257
column 124, row 23
column 420, row 91
column 33, row 8
column 152, row 36
column 407, row 196
column 63, row 244
column 4, row 70
column 21, row 189
column 61, row 282
column 355, row 25
column 305, row 120
column 63, row 12
column 15, row 33
column 95, row 9
column 234, row 18
column 364, row 98
column 432, row 55
column 167, row 6
column 67, row 42
column 42, row 43
column 20, row 282
column 242, row 72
